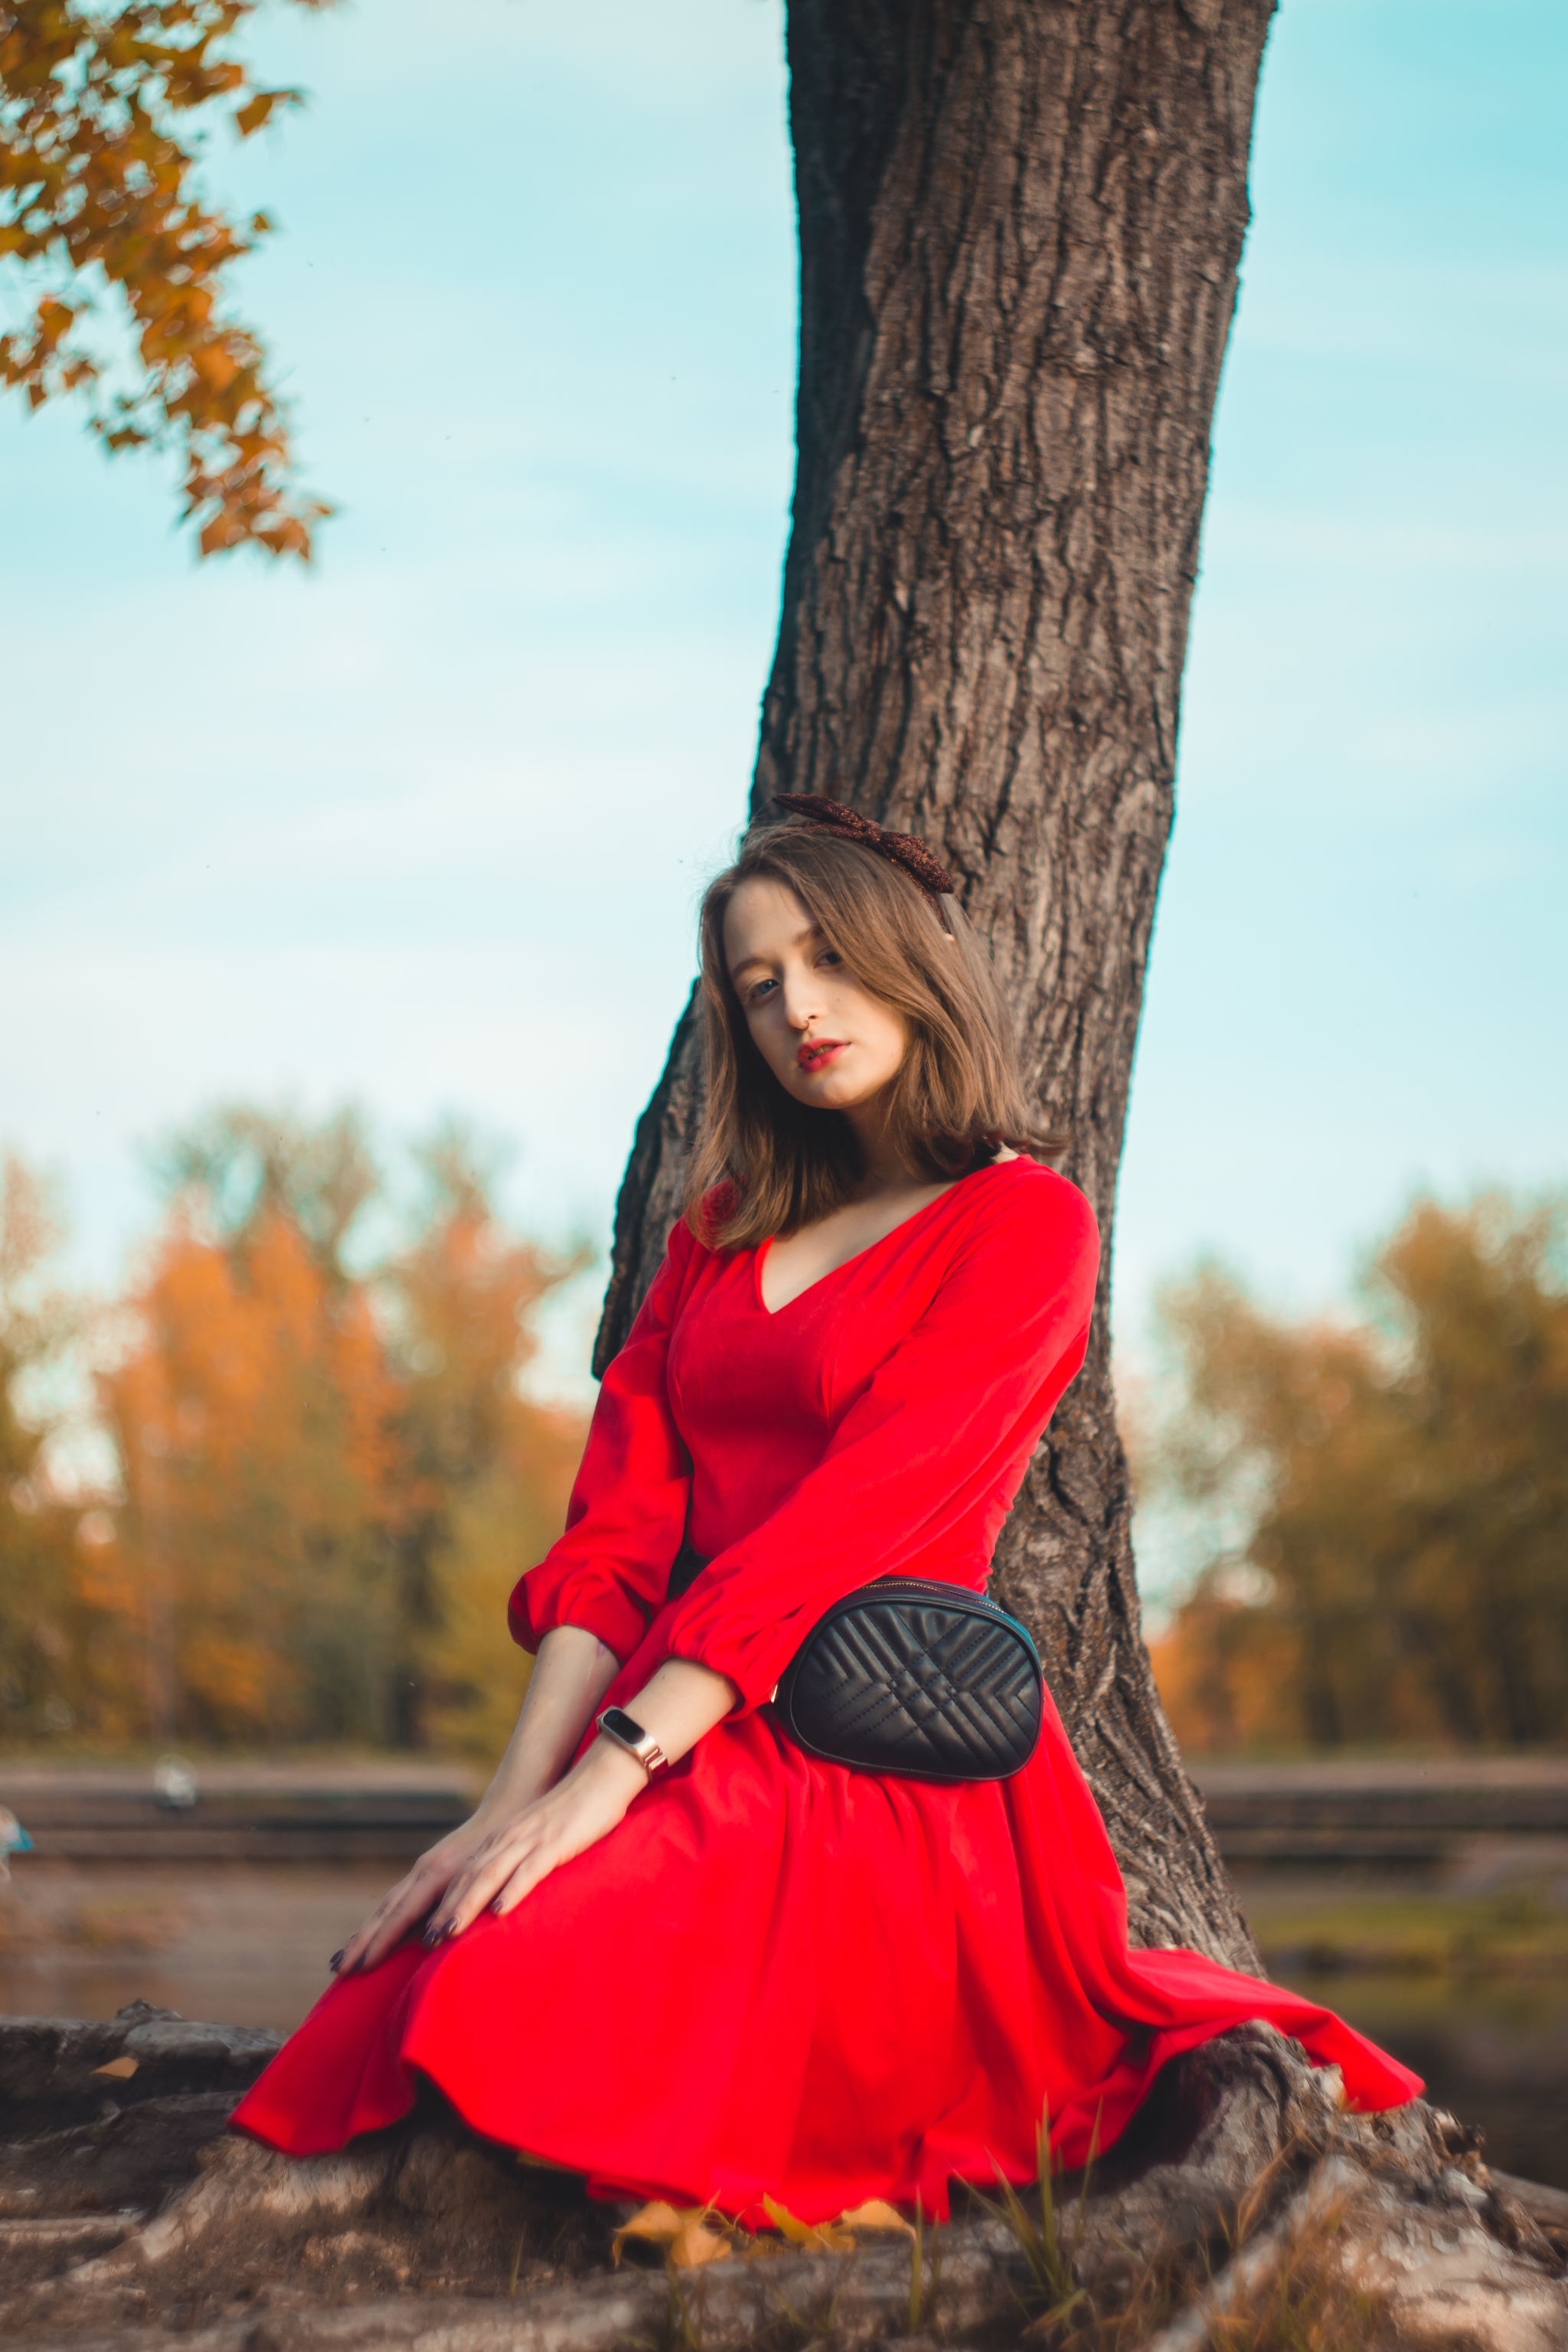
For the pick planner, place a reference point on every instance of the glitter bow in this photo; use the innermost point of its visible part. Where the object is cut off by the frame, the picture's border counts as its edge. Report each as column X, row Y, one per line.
column 901, row 849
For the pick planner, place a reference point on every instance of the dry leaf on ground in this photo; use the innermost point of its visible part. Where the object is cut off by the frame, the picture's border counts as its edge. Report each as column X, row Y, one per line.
column 875, row 2214
column 687, row 2237
column 816, row 2238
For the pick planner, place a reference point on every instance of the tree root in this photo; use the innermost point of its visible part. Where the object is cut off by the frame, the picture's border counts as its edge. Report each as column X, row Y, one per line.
column 1244, row 2202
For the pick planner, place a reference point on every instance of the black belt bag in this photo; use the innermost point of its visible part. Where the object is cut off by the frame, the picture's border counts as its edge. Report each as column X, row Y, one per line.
column 912, row 1676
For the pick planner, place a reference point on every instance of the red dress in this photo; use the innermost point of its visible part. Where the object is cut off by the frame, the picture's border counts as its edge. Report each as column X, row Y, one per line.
column 778, row 1975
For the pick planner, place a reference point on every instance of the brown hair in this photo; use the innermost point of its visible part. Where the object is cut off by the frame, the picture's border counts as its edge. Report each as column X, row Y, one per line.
column 766, row 1164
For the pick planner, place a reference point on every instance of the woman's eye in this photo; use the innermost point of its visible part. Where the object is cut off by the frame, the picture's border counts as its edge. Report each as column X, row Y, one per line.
column 758, row 991
column 830, row 955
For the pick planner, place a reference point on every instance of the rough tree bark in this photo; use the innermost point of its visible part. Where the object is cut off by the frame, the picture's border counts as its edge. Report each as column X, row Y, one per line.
column 1020, row 227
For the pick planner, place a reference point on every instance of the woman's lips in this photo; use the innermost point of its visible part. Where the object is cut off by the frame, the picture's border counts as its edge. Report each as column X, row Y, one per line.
column 819, row 1052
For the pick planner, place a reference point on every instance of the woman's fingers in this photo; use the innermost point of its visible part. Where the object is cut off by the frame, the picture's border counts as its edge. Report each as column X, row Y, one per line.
column 523, row 1881
column 480, row 1882
column 409, row 1901
column 510, row 1862
column 359, row 1943
column 387, row 1932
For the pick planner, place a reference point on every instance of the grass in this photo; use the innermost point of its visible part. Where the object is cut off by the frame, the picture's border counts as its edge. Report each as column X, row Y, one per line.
column 1308, row 2299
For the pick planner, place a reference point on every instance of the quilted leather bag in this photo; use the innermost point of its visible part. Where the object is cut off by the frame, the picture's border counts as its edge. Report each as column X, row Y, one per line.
column 920, row 1679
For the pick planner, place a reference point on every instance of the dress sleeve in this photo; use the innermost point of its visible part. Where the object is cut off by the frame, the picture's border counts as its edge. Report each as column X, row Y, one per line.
column 938, row 1440
column 627, row 1515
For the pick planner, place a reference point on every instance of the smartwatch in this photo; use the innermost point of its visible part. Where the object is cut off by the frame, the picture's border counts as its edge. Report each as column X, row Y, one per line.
column 627, row 1733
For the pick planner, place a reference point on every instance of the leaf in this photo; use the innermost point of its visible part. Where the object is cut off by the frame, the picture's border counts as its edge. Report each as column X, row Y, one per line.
column 659, row 2223
column 696, row 2244
column 122, row 2069
column 814, row 2238
column 687, row 2236
column 875, row 2214
column 254, row 113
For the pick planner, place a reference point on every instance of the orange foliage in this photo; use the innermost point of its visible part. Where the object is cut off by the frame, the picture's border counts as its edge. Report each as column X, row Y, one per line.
column 1385, row 1504
column 254, row 1417
column 52, row 1614
column 328, row 1481
column 98, row 172
column 488, row 1472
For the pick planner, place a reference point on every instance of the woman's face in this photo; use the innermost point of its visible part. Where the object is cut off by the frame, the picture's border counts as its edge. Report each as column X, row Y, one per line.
column 827, row 1040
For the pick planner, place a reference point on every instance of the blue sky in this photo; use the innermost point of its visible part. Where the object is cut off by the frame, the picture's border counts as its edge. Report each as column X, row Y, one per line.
column 425, row 828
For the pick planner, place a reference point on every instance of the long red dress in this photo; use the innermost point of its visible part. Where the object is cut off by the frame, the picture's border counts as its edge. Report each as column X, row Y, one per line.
column 776, row 1975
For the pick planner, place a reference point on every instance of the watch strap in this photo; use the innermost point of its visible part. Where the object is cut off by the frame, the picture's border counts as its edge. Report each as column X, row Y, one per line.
column 626, row 1732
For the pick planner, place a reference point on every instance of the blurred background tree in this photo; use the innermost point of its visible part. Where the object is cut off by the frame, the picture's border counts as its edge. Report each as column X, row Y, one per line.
column 486, row 1472
column 47, row 1620
column 1381, row 1507
column 328, row 1475
column 103, row 115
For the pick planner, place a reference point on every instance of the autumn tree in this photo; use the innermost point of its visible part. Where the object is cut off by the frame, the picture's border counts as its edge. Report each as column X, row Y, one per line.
column 1020, row 227
column 488, row 1470
column 252, row 1413
column 1381, row 1504
column 104, row 112
column 47, row 1621
column 330, row 1474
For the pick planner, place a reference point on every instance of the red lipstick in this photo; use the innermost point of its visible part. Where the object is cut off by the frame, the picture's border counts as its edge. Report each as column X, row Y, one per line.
column 817, row 1052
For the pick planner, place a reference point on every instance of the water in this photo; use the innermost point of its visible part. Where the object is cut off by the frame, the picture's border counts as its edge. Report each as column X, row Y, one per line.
column 1493, row 2052
column 237, row 1943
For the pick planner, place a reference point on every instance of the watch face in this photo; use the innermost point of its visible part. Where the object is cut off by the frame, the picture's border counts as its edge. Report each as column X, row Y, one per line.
column 620, row 1726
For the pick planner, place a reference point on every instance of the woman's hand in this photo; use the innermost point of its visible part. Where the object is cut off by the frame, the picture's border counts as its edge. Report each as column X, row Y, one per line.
column 516, row 1856
column 410, row 1898
column 530, row 1822
column 499, row 1862
column 570, row 1676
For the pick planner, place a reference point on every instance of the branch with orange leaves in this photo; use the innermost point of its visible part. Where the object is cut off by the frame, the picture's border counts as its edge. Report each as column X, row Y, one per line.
column 100, row 119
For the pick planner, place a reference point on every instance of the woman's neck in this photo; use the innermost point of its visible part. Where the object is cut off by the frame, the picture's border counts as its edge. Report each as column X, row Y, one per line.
column 887, row 1170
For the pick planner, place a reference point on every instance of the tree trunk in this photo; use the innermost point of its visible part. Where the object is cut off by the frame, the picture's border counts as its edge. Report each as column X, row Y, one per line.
column 1020, row 224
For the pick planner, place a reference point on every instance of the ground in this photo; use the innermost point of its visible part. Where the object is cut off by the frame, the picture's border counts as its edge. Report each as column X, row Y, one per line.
column 1248, row 2203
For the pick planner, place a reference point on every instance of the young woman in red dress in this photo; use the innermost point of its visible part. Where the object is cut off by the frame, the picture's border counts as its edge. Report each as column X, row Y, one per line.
column 721, row 1968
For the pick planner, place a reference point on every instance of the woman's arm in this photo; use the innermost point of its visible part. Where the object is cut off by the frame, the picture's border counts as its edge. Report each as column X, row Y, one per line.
column 676, row 1705
column 529, row 1820
column 610, row 1569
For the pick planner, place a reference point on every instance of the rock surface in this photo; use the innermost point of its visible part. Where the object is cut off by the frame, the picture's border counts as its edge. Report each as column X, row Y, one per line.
column 125, row 2206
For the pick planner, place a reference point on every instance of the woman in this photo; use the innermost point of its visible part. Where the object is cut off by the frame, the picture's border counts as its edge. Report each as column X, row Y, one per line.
column 679, row 1955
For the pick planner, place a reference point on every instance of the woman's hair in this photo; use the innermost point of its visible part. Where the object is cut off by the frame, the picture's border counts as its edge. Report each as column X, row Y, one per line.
column 765, row 1163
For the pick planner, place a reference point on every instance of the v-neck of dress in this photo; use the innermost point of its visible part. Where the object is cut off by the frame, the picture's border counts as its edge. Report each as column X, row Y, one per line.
column 773, row 1313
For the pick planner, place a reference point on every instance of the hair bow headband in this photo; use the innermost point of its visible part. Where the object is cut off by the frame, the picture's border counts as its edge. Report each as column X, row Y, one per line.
column 900, row 848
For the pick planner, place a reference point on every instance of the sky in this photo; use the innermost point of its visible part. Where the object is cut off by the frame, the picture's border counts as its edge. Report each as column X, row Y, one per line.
column 423, row 827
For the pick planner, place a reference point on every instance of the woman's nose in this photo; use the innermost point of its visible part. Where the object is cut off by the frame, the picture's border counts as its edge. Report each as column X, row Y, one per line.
column 801, row 1008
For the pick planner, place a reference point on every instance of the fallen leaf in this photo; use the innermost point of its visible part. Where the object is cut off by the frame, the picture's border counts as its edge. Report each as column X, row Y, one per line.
column 120, row 2068
column 814, row 2238
column 659, row 2223
column 694, row 2244
column 875, row 2215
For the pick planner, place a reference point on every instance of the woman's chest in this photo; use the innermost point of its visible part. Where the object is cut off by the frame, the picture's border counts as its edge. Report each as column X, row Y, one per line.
column 734, row 1367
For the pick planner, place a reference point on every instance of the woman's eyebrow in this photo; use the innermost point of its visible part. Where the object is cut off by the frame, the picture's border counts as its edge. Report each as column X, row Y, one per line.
column 811, row 931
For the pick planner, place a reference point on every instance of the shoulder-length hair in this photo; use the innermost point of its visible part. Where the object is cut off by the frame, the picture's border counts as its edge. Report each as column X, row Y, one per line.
column 765, row 1164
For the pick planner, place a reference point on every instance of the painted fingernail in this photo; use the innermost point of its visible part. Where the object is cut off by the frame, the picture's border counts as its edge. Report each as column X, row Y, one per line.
column 432, row 1936
column 335, row 1963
